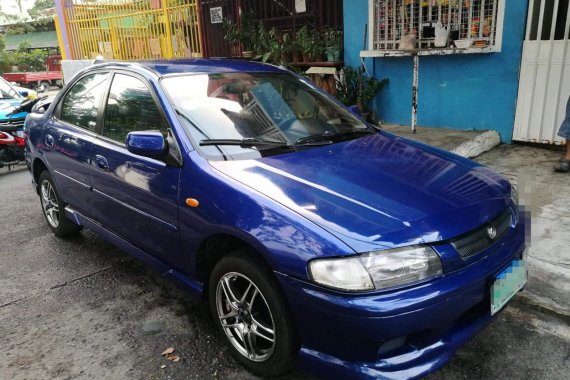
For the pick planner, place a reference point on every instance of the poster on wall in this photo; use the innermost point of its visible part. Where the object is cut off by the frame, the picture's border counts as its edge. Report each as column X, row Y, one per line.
column 300, row 6
column 216, row 15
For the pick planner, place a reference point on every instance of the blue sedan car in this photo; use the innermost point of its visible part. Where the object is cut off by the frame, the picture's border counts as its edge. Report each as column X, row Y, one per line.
column 318, row 239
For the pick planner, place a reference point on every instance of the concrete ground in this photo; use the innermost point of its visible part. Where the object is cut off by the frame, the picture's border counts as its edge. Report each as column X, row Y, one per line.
column 82, row 309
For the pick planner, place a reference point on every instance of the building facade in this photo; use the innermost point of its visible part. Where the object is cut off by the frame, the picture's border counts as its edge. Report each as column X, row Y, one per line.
column 474, row 88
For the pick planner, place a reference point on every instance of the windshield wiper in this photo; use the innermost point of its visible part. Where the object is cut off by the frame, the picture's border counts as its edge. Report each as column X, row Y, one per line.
column 327, row 135
column 257, row 144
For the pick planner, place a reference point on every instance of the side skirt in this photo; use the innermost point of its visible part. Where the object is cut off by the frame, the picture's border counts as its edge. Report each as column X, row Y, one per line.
column 194, row 288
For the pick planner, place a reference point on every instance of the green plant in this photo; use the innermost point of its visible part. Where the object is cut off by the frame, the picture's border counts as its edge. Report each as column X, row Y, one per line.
column 246, row 33
column 303, row 39
column 356, row 88
column 34, row 60
column 332, row 38
column 7, row 59
column 24, row 46
column 311, row 43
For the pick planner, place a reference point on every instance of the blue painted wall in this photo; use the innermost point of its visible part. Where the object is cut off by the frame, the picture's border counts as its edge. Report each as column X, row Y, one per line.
column 475, row 91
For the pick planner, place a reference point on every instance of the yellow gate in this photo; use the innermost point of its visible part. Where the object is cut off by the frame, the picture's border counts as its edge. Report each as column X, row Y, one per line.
column 133, row 29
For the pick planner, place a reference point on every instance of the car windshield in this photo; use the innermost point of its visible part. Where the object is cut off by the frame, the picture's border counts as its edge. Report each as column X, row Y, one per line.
column 234, row 116
column 7, row 91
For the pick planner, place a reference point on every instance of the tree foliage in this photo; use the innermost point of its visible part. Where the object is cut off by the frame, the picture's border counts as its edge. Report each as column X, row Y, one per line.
column 42, row 10
column 25, row 59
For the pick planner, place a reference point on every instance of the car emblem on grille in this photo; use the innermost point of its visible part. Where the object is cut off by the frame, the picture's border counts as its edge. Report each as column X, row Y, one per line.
column 492, row 232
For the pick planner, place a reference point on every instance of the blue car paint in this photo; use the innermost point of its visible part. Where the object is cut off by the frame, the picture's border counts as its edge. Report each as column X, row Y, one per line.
column 148, row 143
column 6, row 107
column 372, row 193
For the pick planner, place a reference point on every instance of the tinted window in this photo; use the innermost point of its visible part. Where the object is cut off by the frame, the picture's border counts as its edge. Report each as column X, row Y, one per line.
column 130, row 107
column 81, row 103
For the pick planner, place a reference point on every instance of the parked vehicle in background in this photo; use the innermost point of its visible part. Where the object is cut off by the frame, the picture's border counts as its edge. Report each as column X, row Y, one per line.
column 10, row 98
column 316, row 238
column 40, row 81
column 15, row 104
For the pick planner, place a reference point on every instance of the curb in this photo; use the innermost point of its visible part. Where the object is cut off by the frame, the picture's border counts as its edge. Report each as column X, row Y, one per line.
column 477, row 145
column 530, row 301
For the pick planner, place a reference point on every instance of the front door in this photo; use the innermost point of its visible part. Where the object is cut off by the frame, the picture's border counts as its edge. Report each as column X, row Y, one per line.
column 544, row 84
column 68, row 139
column 137, row 197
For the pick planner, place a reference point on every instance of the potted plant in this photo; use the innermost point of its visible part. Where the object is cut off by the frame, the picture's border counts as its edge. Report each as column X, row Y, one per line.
column 317, row 47
column 296, row 56
column 286, row 47
column 305, row 41
column 244, row 34
column 354, row 87
column 333, row 44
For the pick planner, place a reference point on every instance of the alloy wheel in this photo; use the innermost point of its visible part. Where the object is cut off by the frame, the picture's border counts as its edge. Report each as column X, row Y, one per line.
column 50, row 204
column 245, row 317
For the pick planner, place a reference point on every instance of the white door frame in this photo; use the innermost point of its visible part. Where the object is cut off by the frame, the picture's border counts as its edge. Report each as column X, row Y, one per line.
column 544, row 82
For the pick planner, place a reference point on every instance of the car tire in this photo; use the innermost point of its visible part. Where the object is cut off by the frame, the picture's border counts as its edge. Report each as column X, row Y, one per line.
column 268, row 311
column 53, row 208
column 44, row 86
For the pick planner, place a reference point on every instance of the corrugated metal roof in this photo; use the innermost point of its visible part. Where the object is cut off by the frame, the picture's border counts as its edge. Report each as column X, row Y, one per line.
column 38, row 40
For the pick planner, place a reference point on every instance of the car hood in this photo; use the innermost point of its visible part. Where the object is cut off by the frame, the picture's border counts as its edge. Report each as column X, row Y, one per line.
column 379, row 191
column 6, row 107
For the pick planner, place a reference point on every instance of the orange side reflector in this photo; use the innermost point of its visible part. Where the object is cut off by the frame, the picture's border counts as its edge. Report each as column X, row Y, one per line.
column 192, row 202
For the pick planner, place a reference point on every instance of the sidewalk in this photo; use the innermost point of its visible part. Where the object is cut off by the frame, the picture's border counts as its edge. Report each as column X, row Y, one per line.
column 542, row 192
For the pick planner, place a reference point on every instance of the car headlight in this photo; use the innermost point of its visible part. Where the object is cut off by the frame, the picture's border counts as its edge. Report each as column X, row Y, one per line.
column 377, row 270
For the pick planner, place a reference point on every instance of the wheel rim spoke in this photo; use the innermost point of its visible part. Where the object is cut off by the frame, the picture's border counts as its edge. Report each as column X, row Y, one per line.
column 232, row 314
column 231, row 298
column 243, row 297
column 249, row 342
column 262, row 331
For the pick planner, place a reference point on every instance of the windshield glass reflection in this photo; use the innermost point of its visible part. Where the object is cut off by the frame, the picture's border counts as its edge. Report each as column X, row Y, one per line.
column 274, row 107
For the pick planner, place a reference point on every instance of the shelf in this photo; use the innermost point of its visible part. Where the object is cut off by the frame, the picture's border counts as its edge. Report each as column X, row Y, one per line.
column 426, row 52
column 318, row 64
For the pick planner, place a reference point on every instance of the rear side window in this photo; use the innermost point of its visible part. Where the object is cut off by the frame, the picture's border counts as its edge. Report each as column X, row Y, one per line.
column 130, row 107
column 82, row 101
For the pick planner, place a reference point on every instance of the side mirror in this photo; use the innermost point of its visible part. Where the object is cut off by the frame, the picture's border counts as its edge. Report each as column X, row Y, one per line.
column 24, row 93
column 355, row 110
column 147, row 143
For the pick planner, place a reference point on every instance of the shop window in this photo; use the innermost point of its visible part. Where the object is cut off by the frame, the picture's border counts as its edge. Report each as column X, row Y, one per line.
column 426, row 27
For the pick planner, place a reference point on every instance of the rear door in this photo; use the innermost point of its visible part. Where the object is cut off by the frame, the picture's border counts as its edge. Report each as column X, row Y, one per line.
column 68, row 137
column 137, row 197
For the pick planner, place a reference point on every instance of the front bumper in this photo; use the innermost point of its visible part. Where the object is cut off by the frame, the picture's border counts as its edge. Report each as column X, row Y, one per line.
column 404, row 333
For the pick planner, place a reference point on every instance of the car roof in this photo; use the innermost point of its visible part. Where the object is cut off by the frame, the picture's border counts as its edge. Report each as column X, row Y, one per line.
column 196, row 65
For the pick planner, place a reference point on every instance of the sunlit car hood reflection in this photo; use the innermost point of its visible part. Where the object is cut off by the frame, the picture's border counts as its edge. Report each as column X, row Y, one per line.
column 378, row 191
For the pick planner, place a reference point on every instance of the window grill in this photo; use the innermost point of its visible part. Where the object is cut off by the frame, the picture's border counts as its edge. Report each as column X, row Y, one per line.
column 405, row 25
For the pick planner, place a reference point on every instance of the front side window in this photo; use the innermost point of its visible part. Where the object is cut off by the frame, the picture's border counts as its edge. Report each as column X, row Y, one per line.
column 81, row 102
column 130, row 107
column 261, row 114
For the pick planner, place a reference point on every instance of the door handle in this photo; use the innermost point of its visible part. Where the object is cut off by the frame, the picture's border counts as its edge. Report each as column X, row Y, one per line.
column 49, row 140
column 101, row 163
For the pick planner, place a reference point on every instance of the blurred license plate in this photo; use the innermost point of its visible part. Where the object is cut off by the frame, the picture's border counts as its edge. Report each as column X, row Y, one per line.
column 507, row 284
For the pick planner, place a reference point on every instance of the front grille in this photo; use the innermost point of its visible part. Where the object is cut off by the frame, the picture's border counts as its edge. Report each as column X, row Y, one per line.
column 11, row 125
column 480, row 239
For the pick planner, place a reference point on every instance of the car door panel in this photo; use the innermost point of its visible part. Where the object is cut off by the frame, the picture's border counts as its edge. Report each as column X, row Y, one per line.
column 67, row 152
column 68, row 138
column 137, row 197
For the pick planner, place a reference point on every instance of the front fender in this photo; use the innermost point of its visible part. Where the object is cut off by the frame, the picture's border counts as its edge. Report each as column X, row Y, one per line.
column 285, row 239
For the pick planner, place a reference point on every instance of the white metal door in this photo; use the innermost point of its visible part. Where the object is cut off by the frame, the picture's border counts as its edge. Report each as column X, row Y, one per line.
column 544, row 84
